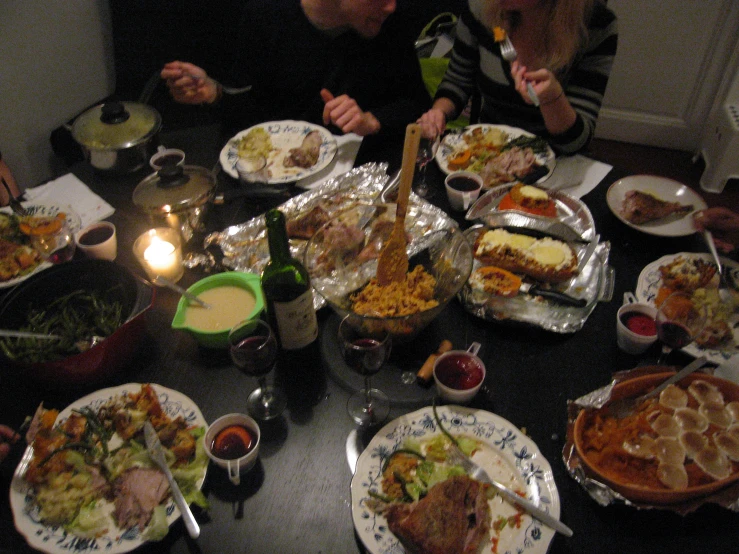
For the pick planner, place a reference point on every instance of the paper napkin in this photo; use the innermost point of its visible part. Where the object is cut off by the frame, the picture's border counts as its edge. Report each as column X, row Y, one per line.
column 68, row 190
column 577, row 169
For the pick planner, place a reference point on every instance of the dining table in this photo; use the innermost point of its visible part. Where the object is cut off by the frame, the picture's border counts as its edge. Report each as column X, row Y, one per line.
column 297, row 498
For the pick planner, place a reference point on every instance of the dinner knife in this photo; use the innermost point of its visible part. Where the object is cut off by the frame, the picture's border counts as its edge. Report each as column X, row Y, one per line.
column 156, row 453
column 554, row 295
column 476, row 472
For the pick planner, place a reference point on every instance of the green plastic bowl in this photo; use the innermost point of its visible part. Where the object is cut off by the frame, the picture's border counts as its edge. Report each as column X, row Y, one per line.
column 219, row 339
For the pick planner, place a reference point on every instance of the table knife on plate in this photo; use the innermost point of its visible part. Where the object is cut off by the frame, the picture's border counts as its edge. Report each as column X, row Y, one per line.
column 156, row 453
column 476, row 472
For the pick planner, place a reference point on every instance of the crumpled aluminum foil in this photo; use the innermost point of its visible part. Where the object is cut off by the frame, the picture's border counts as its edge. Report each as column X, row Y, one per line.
column 602, row 493
column 245, row 245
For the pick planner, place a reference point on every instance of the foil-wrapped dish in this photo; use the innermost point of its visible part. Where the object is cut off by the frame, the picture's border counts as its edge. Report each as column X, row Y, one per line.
column 357, row 196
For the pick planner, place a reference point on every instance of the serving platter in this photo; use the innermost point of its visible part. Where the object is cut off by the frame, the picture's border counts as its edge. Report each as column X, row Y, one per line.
column 640, row 493
column 650, row 281
column 571, row 212
column 664, row 189
column 41, row 210
column 284, row 135
column 506, row 454
column 454, row 142
column 54, row 539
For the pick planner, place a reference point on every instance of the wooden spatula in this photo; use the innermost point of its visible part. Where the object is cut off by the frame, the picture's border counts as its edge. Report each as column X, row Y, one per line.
column 393, row 262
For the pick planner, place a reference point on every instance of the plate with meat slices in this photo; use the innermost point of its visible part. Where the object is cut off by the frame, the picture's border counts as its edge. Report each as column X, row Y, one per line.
column 498, row 153
column 293, row 149
column 86, row 484
column 404, row 482
column 655, row 205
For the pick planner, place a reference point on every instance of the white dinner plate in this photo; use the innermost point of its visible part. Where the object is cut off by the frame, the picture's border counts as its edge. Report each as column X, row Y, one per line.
column 73, row 220
column 55, row 540
column 452, row 141
column 507, row 455
column 664, row 189
column 284, row 136
column 650, row 281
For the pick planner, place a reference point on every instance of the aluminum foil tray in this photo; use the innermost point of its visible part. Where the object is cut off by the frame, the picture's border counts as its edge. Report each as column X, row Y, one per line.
column 594, row 282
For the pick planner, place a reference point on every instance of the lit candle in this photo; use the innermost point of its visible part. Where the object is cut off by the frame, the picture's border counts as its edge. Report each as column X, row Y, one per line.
column 160, row 254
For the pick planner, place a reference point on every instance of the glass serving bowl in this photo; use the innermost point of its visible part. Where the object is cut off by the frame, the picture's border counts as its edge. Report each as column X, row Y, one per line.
column 342, row 258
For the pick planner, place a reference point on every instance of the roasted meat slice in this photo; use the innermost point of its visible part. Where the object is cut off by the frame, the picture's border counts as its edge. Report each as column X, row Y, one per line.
column 137, row 492
column 641, row 207
column 305, row 225
column 451, row 519
column 306, row 155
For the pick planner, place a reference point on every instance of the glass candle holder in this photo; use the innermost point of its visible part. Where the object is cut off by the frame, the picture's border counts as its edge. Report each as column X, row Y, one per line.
column 159, row 251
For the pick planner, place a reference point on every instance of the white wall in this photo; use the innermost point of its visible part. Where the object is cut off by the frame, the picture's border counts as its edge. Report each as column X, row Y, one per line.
column 674, row 57
column 56, row 59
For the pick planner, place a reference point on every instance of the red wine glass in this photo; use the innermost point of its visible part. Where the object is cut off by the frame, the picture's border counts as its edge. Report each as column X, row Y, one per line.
column 679, row 321
column 426, row 153
column 365, row 354
column 253, row 349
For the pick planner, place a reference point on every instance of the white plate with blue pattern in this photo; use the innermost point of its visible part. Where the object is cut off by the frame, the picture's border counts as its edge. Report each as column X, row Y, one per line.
column 284, row 136
column 506, row 454
column 54, row 539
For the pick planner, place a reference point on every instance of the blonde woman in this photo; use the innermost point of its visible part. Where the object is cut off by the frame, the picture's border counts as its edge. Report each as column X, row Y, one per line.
column 565, row 52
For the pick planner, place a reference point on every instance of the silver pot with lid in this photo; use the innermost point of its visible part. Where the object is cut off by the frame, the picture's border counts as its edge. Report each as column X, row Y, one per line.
column 177, row 196
column 118, row 137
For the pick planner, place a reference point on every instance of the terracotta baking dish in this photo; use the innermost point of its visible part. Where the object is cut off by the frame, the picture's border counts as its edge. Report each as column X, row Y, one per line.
column 648, row 495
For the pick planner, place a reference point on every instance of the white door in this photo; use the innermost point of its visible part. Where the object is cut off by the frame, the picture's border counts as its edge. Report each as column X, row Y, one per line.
column 675, row 60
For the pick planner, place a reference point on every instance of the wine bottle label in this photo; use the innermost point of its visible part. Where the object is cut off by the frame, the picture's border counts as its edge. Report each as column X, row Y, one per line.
column 297, row 324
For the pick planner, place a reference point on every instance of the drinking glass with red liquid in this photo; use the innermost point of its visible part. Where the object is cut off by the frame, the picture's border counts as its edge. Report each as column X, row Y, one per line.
column 679, row 321
column 253, row 348
column 365, row 354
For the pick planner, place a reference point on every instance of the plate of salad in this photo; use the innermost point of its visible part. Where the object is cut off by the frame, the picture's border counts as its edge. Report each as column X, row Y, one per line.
column 86, row 482
column 410, row 451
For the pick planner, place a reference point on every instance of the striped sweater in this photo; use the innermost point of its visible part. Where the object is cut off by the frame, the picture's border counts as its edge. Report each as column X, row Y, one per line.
column 476, row 62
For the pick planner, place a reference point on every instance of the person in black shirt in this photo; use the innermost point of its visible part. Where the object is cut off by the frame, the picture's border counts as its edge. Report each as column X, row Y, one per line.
column 349, row 64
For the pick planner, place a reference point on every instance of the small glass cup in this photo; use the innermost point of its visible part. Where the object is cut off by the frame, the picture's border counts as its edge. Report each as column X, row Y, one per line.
column 159, row 251
column 58, row 246
column 252, row 169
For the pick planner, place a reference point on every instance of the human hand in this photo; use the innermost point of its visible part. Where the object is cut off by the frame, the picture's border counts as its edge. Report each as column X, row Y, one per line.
column 545, row 84
column 7, row 439
column 718, row 219
column 189, row 84
column 433, row 123
column 345, row 113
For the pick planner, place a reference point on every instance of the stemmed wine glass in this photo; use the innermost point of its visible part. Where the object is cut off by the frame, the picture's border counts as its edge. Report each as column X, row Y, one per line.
column 679, row 321
column 366, row 355
column 426, row 152
column 253, row 349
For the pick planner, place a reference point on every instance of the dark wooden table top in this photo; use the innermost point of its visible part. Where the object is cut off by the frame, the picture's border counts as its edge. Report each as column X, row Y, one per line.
column 297, row 498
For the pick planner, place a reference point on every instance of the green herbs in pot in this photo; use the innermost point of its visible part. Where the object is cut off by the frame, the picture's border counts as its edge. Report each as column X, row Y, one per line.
column 76, row 317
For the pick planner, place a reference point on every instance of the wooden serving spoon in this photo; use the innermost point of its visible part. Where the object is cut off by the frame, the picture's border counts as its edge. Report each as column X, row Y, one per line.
column 392, row 265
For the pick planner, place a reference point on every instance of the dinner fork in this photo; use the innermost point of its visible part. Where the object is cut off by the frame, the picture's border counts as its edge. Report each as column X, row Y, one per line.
column 723, row 288
column 456, row 456
column 14, row 203
column 509, row 54
column 224, row 88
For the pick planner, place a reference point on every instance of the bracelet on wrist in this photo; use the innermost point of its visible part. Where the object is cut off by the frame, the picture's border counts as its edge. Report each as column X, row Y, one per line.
column 552, row 101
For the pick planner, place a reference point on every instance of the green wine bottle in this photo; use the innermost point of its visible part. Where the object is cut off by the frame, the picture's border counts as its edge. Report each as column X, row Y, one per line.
column 287, row 289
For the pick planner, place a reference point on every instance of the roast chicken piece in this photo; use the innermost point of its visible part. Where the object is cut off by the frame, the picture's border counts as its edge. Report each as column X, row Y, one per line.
column 641, row 207
column 307, row 155
column 305, row 225
column 451, row 519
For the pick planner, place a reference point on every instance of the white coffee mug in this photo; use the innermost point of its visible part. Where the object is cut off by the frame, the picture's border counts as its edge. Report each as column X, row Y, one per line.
column 240, row 465
column 627, row 340
column 462, row 189
column 98, row 241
